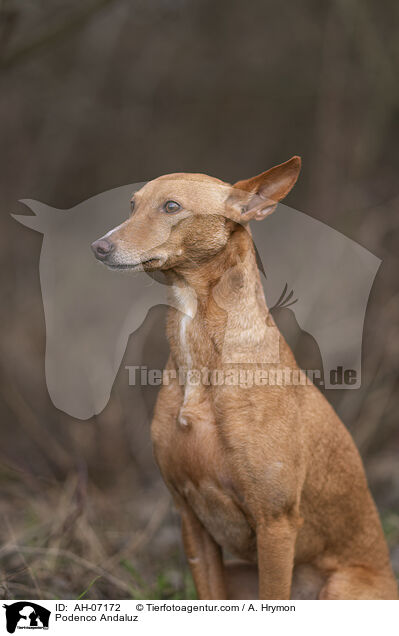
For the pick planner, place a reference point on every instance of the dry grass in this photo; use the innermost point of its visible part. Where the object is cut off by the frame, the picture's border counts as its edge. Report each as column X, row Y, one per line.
column 72, row 540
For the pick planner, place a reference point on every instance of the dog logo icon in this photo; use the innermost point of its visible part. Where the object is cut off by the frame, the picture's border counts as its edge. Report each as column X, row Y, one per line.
column 26, row 615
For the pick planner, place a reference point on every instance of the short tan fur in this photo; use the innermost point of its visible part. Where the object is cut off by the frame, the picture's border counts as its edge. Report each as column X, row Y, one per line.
column 268, row 474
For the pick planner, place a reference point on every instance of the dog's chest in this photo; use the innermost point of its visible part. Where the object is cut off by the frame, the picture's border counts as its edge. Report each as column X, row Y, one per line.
column 191, row 343
column 194, row 461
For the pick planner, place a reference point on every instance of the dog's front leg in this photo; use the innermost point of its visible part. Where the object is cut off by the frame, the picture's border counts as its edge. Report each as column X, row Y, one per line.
column 276, row 547
column 204, row 557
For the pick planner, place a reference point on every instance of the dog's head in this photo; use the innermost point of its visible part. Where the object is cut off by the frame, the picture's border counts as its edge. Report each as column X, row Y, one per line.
column 182, row 220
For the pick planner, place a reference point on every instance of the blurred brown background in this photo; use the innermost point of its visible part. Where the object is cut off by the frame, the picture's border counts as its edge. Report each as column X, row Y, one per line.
column 100, row 93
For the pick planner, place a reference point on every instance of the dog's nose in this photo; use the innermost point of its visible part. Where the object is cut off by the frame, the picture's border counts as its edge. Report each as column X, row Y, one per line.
column 102, row 248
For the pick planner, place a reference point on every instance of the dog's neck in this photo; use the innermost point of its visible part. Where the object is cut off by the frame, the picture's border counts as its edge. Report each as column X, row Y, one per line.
column 224, row 317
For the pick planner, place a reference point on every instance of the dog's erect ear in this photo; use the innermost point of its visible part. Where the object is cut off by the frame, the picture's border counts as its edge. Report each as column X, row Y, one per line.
column 261, row 194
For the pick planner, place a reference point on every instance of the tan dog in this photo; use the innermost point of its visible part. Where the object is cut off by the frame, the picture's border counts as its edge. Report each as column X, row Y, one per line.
column 268, row 473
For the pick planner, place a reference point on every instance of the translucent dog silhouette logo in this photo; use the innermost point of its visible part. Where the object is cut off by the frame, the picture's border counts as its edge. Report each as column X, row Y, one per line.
column 26, row 615
column 324, row 278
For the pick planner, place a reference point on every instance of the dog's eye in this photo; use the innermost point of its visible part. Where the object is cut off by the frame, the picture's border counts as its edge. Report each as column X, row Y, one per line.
column 132, row 205
column 171, row 206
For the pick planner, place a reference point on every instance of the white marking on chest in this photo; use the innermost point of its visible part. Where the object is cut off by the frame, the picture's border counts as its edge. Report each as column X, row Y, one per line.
column 184, row 344
column 186, row 301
